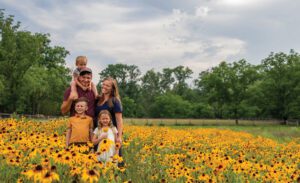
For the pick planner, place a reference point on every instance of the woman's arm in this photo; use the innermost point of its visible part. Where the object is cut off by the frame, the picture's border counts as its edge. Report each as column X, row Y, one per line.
column 115, row 132
column 119, row 119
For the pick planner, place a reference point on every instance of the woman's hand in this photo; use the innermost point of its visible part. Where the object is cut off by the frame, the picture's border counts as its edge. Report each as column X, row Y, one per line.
column 119, row 139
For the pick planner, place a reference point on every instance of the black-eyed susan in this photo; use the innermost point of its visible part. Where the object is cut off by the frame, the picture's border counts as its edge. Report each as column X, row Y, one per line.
column 49, row 177
column 90, row 175
column 176, row 159
column 118, row 145
column 36, row 174
column 105, row 129
column 45, row 162
column 20, row 180
column 66, row 159
column 75, row 171
column 121, row 169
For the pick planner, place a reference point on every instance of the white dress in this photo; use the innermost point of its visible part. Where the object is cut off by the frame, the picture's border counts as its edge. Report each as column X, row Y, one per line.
column 106, row 156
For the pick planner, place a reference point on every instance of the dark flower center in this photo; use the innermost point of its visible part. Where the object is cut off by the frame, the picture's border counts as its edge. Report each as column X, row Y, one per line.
column 92, row 172
column 39, row 168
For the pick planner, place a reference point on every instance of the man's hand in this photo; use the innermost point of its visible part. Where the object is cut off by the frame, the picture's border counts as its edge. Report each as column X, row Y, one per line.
column 73, row 96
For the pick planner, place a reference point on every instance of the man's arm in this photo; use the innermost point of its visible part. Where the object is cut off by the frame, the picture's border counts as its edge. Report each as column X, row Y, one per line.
column 66, row 106
column 67, row 103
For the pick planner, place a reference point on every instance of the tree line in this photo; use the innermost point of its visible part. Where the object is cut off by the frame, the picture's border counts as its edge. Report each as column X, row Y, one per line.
column 34, row 76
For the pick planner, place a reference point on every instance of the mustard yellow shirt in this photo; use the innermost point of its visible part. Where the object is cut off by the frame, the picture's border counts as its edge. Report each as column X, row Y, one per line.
column 80, row 127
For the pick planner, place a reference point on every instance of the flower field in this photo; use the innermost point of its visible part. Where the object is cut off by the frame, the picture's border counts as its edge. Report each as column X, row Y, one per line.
column 35, row 152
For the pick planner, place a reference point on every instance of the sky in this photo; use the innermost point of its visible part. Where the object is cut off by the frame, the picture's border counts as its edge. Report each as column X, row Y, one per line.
column 156, row 34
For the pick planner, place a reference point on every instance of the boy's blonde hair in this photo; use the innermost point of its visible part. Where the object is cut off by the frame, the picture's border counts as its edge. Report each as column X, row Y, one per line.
column 81, row 99
column 100, row 114
column 81, row 59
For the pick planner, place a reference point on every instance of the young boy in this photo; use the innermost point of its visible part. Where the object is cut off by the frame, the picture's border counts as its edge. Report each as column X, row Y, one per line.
column 81, row 62
column 80, row 126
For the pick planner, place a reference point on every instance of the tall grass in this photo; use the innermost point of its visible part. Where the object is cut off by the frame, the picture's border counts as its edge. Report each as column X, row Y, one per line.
column 195, row 122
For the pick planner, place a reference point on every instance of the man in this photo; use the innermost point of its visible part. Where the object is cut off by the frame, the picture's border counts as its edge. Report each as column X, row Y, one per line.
column 85, row 78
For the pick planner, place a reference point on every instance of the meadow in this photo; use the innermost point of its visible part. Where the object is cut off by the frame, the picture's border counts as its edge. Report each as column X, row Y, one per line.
column 32, row 151
column 197, row 122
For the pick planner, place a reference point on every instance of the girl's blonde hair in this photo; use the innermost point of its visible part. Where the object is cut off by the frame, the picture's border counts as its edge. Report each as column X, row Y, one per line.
column 81, row 59
column 99, row 116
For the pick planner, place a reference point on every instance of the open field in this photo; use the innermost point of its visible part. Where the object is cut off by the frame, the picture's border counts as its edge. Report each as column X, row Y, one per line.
column 35, row 151
column 280, row 133
column 196, row 122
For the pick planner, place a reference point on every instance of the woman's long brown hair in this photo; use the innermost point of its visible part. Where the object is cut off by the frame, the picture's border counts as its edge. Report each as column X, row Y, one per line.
column 114, row 92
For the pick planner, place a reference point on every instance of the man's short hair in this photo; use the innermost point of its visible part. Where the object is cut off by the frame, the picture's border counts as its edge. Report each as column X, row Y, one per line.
column 85, row 70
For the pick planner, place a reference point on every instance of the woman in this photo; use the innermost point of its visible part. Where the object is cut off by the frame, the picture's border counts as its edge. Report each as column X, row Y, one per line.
column 110, row 100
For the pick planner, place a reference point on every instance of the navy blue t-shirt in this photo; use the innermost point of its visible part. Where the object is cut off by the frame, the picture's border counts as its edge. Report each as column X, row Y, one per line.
column 116, row 108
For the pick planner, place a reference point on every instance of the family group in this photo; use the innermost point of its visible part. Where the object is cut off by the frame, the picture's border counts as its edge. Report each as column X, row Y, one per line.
column 93, row 118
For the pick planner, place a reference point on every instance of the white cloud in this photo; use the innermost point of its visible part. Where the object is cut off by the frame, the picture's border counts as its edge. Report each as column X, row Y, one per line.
column 202, row 11
column 198, row 34
column 244, row 3
column 160, row 42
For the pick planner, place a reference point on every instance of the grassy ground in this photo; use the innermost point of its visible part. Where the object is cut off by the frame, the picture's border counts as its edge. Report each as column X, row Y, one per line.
column 196, row 122
column 265, row 128
column 279, row 133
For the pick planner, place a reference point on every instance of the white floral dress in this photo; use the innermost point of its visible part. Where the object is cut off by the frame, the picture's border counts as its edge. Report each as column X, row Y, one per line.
column 106, row 147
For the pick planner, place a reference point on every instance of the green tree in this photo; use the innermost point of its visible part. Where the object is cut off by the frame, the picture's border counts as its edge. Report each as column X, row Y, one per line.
column 226, row 87
column 181, row 74
column 281, row 83
column 167, row 80
column 213, row 84
column 127, row 77
column 150, row 89
column 202, row 110
column 254, row 101
column 171, row 106
column 33, row 72
column 1, row 89
column 19, row 50
column 130, row 107
column 241, row 76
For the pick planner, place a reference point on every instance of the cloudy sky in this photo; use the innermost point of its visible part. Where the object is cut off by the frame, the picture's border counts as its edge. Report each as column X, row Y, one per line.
column 163, row 33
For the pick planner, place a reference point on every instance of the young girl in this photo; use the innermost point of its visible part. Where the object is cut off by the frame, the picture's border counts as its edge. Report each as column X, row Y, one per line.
column 105, row 136
column 81, row 62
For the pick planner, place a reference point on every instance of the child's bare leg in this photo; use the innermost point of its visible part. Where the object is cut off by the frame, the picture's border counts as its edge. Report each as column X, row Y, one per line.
column 94, row 89
column 73, row 93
